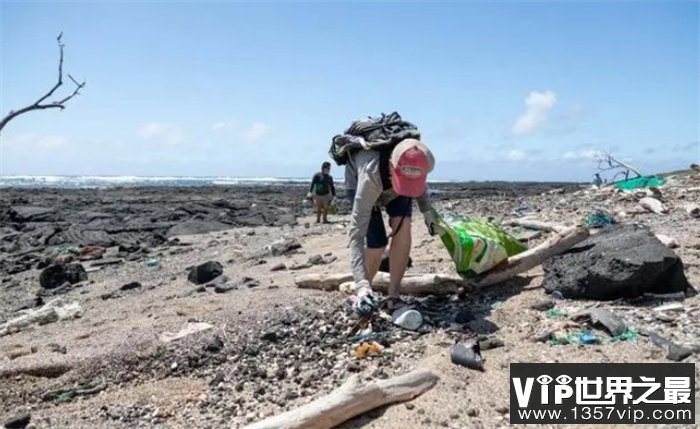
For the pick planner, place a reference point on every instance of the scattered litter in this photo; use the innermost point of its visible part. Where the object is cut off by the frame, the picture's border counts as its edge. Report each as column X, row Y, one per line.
column 640, row 182
column 598, row 219
column 672, row 306
column 105, row 261
column 468, row 355
column 653, row 205
column 675, row 352
column 54, row 310
column 188, row 329
column 153, row 263
column 368, row 349
column 600, row 316
column 555, row 313
column 669, row 242
column 407, row 318
column 491, row 343
column 65, row 395
column 589, row 338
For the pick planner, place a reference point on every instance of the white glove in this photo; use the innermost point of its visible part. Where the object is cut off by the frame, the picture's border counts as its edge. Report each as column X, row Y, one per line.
column 309, row 196
column 366, row 302
column 430, row 218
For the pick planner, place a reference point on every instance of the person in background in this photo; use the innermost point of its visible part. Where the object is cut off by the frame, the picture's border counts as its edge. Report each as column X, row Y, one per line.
column 408, row 168
column 322, row 192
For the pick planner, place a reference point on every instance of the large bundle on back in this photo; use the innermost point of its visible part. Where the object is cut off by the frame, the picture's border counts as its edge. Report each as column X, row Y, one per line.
column 476, row 246
column 382, row 133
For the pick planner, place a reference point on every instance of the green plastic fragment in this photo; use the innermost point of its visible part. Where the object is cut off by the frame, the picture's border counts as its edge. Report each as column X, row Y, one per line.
column 555, row 313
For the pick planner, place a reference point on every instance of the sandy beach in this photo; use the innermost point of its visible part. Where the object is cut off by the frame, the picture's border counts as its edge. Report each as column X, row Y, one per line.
column 270, row 346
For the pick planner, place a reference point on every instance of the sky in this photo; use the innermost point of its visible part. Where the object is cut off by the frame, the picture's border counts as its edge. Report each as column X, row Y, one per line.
column 500, row 90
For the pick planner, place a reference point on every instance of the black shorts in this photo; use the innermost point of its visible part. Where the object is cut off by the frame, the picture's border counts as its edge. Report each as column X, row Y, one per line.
column 376, row 233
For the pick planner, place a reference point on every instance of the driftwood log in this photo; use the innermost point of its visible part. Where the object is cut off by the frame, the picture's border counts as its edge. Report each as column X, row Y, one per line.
column 535, row 224
column 350, row 400
column 442, row 284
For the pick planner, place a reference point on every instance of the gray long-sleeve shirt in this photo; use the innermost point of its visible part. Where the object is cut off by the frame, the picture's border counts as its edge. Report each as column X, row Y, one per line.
column 362, row 175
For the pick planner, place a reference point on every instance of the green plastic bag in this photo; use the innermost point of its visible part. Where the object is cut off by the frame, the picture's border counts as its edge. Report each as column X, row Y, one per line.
column 640, row 182
column 475, row 245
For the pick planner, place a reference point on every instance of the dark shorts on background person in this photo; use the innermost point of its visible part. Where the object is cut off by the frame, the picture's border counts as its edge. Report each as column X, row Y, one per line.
column 376, row 232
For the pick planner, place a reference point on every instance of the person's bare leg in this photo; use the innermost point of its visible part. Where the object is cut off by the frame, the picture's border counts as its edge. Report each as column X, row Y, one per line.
column 373, row 259
column 326, row 206
column 398, row 253
column 319, row 209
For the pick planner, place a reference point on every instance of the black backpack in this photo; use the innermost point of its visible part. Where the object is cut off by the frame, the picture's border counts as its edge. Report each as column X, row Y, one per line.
column 381, row 134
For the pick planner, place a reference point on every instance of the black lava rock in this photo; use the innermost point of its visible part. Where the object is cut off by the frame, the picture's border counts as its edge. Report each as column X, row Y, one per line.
column 206, row 272
column 622, row 261
column 56, row 275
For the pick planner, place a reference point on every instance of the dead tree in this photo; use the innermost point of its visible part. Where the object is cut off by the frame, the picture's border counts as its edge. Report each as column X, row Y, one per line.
column 607, row 162
column 41, row 103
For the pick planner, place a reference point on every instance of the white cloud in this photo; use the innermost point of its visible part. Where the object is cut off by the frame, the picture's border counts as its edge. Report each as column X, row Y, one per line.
column 517, row 155
column 582, row 155
column 537, row 107
column 257, row 131
column 34, row 141
column 218, row 126
column 164, row 133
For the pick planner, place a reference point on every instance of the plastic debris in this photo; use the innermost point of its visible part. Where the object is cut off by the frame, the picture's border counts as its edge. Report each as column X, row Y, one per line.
column 640, row 182
column 588, row 338
column 368, row 349
column 598, row 219
column 188, row 329
column 153, row 263
column 555, row 313
column 407, row 318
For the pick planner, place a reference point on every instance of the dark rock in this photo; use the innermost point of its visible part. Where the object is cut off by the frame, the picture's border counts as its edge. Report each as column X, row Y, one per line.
column 677, row 352
column 278, row 267
column 464, row 316
column 56, row 275
column 247, row 283
column 468, row 355
column 129, row 286
column 316, row 260
column 57, row 348
column 206, row 272
column 472, row 412
column 269, row 336
column 622, row 261
column 223, row 288
column 409, row 406
column 18, row 422
column 543, row 305
column 284, row 246
column 215, row 345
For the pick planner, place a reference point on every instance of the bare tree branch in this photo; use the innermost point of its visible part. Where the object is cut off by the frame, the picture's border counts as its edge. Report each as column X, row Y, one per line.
column 607, row 162
column 59, row 104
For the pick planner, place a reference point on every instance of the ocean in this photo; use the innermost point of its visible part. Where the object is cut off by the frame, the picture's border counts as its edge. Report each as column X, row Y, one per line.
column 99, row 182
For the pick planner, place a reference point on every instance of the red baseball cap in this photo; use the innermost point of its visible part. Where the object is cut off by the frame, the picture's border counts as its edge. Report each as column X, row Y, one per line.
column 411, row 161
